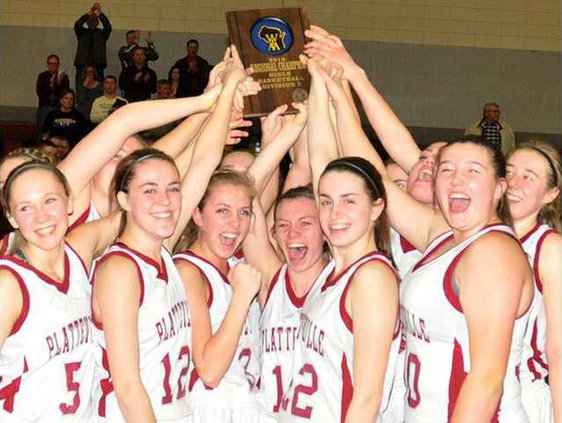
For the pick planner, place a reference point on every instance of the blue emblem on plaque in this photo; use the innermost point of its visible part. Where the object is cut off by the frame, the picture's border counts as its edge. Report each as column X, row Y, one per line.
column 272, row 36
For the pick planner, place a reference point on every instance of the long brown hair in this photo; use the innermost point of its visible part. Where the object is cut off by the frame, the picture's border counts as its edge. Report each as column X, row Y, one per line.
column 374, row 188
column 125, row 171
column 219, row 178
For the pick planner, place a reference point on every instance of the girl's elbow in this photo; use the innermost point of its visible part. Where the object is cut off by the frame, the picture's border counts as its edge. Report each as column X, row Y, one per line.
column 210, row 377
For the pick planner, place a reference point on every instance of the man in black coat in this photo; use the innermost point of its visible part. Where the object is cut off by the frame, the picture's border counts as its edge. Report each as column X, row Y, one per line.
column 91, row 48
column 137, row 81
column 194, row 72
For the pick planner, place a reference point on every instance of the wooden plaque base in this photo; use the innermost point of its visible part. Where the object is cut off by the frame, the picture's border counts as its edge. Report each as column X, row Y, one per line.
column 270, row 41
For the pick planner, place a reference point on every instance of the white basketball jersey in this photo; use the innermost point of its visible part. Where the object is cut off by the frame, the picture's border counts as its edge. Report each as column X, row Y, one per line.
column 279, row 323
column 89, row 215
column 404, row 254
column 437, row 342
column 46, row 363
column 243, row 374
column 534, row 365
column 321, row 387
column 164, row 335
column 6, row 242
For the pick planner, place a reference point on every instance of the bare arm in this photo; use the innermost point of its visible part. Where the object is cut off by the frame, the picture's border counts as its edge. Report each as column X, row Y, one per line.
column 492, row 275
column 299, row 173
column 401, row 207
column 322, row 144
column 394, row 136
column 213, row 352
column 551, row 277
column 373, row 305
column 116, row 299
column 208, row 149
column 11, row 303
column 259, row 252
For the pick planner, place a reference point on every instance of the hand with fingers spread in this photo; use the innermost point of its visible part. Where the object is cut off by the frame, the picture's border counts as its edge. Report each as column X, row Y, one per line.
column 327, row 47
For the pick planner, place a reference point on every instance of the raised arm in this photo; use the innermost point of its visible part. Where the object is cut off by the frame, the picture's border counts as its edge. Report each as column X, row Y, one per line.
column 100, row 145
column 401, row 207
column 394, row 136
column 372, row 303
column 115, row 303
column 259, row 252
column 299, row 172
column 209, row 147
column 213, row 352
column 322, row 144
column 494, row 278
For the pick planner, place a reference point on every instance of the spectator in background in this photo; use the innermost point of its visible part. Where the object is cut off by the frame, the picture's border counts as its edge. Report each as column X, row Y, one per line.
column 494, row 130
column 48, row 148
column 163, row 89
column 91, row 48
column 88, row 91
column 126, row 52
column 66, row 121
column 63, row 147
column 174, row 79
column 49, row 85
column 194, row 72
column 108, row 102
column 137, row 81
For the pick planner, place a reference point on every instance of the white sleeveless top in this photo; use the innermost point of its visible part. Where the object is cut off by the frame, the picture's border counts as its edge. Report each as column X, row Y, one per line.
column 404, row 254
column 278, row 325
column 46, row 363
column 437, row 341
column 322, row 377
column 164, row 334
column 243, row 374
column 534, row 365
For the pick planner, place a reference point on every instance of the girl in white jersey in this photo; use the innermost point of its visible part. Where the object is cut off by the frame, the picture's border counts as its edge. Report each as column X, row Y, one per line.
column 46, row 354
column 347, row 333
column 285, row 285
column 223, row 384
column 533, row 195
column 139, row 304
column 473, row 286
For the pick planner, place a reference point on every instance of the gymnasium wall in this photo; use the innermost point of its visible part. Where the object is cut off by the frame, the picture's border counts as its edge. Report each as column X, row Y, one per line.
column 436, row 61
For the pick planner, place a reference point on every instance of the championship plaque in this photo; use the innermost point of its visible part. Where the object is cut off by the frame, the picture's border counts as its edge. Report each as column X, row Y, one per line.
column 270, row 41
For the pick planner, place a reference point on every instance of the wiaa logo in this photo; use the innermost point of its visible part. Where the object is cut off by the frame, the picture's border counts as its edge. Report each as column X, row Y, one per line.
column 272, row 36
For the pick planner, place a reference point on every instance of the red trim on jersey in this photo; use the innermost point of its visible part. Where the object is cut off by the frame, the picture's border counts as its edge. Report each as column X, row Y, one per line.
column 406, row 246
column 347, row 320
column 162, row 272
column 210, row 299
column 77, row 255
column 449, row 283
column 531, row 232
column 272, row 284
column 83, row 218
column 106, row 384
column 429, row 257
column 347, row 388
column 60, row 286
column 332, row 278
column 191, row 253
column 537, row 356
column 297, row 301
column 4, row 244
column 123, row 254
column 193, row 378
column 536, row 263
column 25, row 300
column 456, row 378
column 239, row 255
